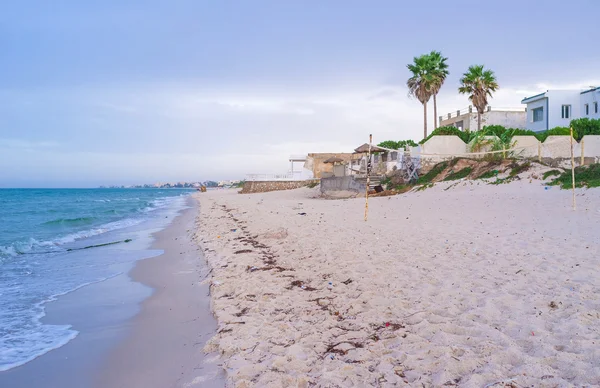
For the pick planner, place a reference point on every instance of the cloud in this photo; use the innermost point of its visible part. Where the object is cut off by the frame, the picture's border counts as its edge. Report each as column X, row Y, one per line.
column 25, row 145
column 147, row 133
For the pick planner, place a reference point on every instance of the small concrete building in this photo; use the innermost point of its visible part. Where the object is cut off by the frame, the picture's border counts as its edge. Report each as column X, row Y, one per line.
column 466, row 119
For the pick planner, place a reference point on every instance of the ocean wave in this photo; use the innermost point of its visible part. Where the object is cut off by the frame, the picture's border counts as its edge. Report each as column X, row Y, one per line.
column 32, row 246
column 28, row 342
column 70, row 221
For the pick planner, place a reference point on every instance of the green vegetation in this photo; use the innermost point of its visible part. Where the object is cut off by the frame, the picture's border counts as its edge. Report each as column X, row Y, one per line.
column 558, row 131
column 424, row 187
column 313, row 184
column 501, row 181
column 397, row 145
column 488, row 174
column 403, row 188
column 459, row 174
column 386, row 182
column 585, row 176
column 516, row 168
column 428, row 73
column 585, row 126
column 478, row 83
column 581, row 127
column 435, row 171
column 449, row 131
column 551, row 173
column 487, row 137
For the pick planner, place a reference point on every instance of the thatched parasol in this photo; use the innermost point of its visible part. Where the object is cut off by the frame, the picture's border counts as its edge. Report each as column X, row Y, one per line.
column 334, row 159
column 363, row 149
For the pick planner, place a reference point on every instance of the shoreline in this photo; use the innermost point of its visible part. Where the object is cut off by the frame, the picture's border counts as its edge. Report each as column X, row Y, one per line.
column 163, row 347
column 120, row 317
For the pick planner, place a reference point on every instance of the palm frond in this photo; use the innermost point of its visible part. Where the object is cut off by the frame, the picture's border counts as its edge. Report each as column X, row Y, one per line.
column 479, row 84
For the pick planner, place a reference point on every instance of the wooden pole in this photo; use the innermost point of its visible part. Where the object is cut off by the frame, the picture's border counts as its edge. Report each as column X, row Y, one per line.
column 368, row 178
column 573, row 169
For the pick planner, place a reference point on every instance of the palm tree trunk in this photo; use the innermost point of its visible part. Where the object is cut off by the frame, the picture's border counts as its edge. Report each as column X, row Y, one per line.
column 425, row 120
column 478, row 121
column 435, row 117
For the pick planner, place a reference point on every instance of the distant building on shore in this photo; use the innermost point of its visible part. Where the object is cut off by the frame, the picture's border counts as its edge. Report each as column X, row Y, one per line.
column 556, row 108
column 466, row 119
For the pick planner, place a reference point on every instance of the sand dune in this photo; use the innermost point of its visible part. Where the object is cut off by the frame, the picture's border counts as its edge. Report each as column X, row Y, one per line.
column 476, row 286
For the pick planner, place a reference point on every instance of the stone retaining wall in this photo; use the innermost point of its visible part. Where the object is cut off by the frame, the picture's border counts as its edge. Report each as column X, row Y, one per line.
column 265, row 186
column 341, row 183
column 554, row 151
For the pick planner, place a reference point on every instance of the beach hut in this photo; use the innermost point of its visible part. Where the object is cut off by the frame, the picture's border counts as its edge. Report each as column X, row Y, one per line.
column 383, row 160
column 339, row 168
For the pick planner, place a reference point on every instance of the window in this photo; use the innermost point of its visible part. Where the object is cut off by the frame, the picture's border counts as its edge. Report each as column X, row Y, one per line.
column 595, row 107
column 566, row 111
column 587, row 109
column 538, row 114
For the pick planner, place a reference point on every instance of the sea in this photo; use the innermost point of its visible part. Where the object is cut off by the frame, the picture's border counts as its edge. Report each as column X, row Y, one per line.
column 56, row 241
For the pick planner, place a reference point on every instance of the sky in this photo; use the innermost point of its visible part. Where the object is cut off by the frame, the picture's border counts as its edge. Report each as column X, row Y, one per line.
column 128, row 92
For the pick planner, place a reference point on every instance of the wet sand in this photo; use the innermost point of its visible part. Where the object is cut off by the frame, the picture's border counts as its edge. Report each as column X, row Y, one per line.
column 164, row 347
column 125, row 343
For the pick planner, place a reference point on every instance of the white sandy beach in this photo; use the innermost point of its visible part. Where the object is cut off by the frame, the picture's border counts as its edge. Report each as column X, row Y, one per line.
column 475, row 286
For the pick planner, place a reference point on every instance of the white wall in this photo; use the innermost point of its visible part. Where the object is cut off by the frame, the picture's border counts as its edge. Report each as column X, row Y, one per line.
column 537, row 125
column 558, row 98
column 590, row 98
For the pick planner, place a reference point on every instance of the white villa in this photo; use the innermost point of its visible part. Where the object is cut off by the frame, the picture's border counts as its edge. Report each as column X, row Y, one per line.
column 556, row 108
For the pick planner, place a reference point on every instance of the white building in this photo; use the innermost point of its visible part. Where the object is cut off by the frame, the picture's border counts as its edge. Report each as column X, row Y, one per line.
column 466, row 119
column 589, row 103
column 556, row 108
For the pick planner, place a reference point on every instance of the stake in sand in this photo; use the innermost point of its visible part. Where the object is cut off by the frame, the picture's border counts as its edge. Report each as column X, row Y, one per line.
column 368, row 178
column 573, row 170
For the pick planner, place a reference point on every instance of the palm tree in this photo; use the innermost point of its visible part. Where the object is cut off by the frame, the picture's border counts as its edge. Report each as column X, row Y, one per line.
column 478, row 83
column 440, row 70
column 421, row 84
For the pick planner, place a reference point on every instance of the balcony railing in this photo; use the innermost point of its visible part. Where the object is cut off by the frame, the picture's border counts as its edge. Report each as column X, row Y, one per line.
column 472, row 109
column 290, row 176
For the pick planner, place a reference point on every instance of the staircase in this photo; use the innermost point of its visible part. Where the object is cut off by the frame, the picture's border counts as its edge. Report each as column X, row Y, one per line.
column 375, row 181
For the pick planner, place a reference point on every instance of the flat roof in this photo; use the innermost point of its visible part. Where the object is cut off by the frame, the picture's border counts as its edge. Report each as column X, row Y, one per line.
column 536, row 97
column 591, row 90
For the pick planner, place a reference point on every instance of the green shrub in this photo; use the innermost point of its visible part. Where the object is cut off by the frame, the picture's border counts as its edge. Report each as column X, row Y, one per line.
column 449, row 131
column 391, row 144
column 581, row 127
column 558, row 131
column 459, row 174
column 501, row 181
column 585, row 126
column 385, row 182
column 585, row 176
column 397, row 145
column 435, row 171
column 519, row 168
column 551, row 173
column 488, row 174
column 409, row 142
